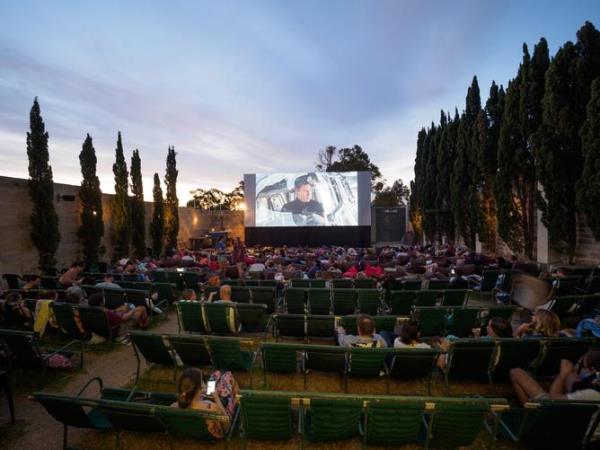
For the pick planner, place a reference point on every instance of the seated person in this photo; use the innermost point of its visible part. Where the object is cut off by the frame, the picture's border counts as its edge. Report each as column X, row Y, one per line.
column 189, row 295
column 568, row 385
column 497, row 327
column 367, row 337
column 108, row 282
column 224, row 294
column 543, row 323
column 409, row 336
column 193, row 395
column 124, row 313
column 34, row 282
column 71, row 276
column 14, row 311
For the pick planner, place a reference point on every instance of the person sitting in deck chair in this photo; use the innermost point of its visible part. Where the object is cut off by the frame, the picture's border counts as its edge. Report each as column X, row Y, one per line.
column 367, row 337
column 191, row 394
column 122, row 314
column 570, row 384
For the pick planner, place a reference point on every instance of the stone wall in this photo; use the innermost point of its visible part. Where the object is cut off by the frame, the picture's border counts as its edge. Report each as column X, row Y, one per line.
column 18, row 255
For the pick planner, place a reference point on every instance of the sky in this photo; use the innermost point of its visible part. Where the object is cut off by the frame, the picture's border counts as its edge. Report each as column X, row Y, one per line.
column 253, row 86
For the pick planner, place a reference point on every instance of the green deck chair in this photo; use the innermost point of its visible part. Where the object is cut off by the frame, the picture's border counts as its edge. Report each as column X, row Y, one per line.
column 387, row 323
column 563, row 306
column 455, row 424
column 461, row 321
column 365, row 283
column 317, row 283
column 324, row 358
column 402, row 302
column 342, row 283
column 427, row 298
column 455, row 297
column 289, row 325
column 266, row 296
column 505, row 312
column 368, row 301
column 189, row 315
column 300, row 284
column 269, row 283
column 95, row 320
column 265, row 417
column 393, row 423
column 221, row 318
column 176, row 279
column 189, row 423
column 113, row 298
column 139, row 297
column 72, row 412
column 64, row 314
column 556, row 349
column 432, row 320
column 165, row 293
column 488, row 281
column 295, row 300
column 344, row 301
column 319, row 301
column 192, row 350
column 253, row 318
column 159, row 276
column 414, row 364
column 411, row 285
column 153, row 348
column 437, row 284
column 190, row 280
column 279, row 358
column 227, row 354
column 588, row 304
column 91, row 290
column 549, row 424
column 332, row 420
column 514, row 353
column 240, row 294
column 320, row 326
column 469, row 358
column 133, row 395
column 366, row 363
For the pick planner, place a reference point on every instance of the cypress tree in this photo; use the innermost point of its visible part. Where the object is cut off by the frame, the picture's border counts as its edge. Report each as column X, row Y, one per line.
column 588, row 187
column 138, row 211
column 92, row 227
column 560, row 159
column 44, row 220
column 171, row 202
column 429, row 184
column 157, row 225
column 120, row 208
column 444, row 160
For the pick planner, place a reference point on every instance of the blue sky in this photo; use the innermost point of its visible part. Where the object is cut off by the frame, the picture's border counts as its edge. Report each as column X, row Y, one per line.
column 253, row 86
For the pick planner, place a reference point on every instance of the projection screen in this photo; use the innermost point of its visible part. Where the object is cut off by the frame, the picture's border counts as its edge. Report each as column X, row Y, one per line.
column 301, row 199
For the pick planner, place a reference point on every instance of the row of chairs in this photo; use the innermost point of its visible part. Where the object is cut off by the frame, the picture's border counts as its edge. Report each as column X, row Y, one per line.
column 466, row 358
column 574, row 305
column 430, row 422
column 113, row 298
column 257, row 295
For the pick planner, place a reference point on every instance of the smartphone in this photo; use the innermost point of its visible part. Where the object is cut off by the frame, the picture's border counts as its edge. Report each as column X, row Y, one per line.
column 131, row 306
column 452, row 272
column 210, row 388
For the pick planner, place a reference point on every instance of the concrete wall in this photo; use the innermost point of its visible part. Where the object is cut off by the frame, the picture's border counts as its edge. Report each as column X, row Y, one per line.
column 17, row 253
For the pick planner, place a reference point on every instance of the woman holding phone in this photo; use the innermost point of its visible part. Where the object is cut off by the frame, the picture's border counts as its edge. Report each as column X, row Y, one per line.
column 219, row 395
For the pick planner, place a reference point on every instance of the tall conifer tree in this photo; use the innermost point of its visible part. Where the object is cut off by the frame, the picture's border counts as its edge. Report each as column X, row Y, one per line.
column 171, row 201
column 157, row 225
column 138, row 211
column 120, row 208
column 44, row 220
column 91, row 229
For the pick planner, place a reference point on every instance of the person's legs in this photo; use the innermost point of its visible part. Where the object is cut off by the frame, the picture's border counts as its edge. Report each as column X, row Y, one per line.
column 524, row 385
column 140, row 314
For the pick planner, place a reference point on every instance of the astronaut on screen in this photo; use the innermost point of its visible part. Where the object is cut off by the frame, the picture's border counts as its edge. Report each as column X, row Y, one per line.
column 309, row 199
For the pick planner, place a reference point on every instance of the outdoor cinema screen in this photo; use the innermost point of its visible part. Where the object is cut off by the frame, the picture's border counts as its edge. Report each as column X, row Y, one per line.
column 306, row 199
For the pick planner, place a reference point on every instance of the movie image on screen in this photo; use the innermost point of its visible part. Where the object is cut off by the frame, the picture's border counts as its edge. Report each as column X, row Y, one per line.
column 306, row 199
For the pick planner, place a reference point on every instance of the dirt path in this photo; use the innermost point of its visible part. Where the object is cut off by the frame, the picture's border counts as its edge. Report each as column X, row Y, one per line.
column 37, row 429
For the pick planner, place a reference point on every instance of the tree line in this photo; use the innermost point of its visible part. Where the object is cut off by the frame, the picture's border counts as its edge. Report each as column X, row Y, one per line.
column 535, row 145
column 127, row 211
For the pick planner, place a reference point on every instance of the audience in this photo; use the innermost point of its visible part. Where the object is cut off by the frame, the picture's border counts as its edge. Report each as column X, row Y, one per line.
column 108, row 282
column 543, row 323
column 72, row 276
column 188, row 294
column 409, row 336
column 121, row 315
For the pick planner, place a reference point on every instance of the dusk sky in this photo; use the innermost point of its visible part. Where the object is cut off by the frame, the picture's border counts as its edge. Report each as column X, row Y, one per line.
column 253, row 86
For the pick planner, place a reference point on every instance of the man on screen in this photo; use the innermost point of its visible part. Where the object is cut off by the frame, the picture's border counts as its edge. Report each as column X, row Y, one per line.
column 303, row 204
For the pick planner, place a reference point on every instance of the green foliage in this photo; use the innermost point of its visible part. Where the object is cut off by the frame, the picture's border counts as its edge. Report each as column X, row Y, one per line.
column 138, row 209
column 560, row 158
column 121, row 216
column 157, row 225
column 352, row 159
column 44, row 221
column 588, row 187
column 217, row 200
column 171, row 202
column 91, row 229
column 395, row 195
